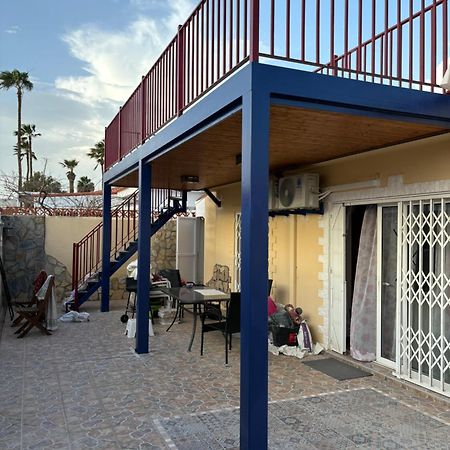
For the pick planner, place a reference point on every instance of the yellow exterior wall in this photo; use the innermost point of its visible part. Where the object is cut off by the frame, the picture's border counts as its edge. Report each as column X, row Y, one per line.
column 62, row 232
column 294, row 249
column 296, row 243
column 219, row 230
column 309, row 268
column 419, row 161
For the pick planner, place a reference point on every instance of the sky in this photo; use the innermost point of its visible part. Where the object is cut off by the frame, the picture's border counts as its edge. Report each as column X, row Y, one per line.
column 85, row 58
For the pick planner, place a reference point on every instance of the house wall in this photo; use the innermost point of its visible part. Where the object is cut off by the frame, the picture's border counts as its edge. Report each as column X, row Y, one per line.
column 417, row 162
column 298, row 245
column 295, row 243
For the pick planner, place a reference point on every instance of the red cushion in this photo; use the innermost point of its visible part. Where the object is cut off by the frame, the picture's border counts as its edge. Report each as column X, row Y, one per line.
column 271, row 305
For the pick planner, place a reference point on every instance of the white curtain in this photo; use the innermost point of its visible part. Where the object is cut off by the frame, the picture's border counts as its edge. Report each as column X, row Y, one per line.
column 363, row 326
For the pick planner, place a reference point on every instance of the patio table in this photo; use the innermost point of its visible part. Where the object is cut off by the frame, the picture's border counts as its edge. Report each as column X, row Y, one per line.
column 193, row 297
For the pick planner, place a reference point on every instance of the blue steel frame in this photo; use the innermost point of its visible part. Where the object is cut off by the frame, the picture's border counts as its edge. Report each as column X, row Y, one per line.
column 106, row 246
column 253, row 89
column 144, row 252
column 254, row 270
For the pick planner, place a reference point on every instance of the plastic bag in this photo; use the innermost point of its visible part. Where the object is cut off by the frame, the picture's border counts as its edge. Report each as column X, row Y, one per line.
column 74, row 316
column 304, row 338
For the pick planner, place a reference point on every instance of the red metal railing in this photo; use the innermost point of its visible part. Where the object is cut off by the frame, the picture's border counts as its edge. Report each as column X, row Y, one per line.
column 377, row 59
column 87, row 253
column 398, row 42
column 212, row 43
column 42, row 212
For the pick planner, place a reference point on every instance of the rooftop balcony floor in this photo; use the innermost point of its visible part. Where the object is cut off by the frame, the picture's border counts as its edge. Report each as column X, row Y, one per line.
column 84, row 387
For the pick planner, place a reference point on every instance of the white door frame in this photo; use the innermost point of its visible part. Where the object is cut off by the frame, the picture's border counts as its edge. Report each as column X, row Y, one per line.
column 336, row 273
column 379, row 359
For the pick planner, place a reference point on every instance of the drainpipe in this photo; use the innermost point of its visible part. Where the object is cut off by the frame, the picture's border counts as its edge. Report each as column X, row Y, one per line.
column 293, row 258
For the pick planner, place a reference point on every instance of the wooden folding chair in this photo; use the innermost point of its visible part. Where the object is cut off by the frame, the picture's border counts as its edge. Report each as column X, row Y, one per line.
column 34, row 315
column 37, row 284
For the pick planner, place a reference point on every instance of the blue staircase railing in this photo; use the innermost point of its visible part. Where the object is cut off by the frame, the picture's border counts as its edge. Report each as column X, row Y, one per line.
column 87, row 253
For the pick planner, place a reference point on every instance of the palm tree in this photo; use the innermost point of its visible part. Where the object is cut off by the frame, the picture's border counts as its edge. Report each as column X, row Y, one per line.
column 29, row 131
column 70, row 164
column 98, row 153
column 85, row 184
column 23, row 150
column 20, row 81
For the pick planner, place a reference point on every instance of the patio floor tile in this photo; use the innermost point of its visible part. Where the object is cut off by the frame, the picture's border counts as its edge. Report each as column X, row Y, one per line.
column 84, row 387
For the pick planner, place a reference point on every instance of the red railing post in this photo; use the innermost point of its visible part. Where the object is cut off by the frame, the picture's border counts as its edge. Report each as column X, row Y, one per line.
column 119, row 137
column 74, row 280
column 334, row 65
column 143, row 108
column 103, row 166
column 254, row 30
column 75, row 274
column 180, row 70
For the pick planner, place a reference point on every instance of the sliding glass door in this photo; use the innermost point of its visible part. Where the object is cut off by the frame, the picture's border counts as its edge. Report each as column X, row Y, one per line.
column 387, row 284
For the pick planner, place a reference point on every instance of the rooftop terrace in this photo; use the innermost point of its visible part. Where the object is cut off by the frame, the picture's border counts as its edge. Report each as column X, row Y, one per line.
column 398, row 43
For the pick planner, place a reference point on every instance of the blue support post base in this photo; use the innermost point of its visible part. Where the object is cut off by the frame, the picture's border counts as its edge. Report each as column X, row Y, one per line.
column 254, row 271
column 143, row 278
column 106, row 247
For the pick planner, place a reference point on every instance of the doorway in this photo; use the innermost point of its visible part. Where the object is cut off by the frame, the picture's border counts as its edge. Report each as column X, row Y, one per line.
column 387, row 285
column 354, row 219
column 371, row 282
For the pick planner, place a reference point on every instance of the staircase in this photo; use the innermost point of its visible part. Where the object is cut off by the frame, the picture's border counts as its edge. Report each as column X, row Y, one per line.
column 87, row 253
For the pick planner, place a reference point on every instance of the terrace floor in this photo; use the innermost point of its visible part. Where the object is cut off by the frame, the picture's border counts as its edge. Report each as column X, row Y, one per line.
column 84, row 387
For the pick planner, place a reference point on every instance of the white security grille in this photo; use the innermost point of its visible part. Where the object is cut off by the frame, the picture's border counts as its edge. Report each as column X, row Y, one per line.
column 424, row 294
column 237, row 252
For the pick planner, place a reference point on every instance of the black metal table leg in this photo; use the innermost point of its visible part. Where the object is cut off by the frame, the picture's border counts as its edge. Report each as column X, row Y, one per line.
column 194, row 326
column 175, row 318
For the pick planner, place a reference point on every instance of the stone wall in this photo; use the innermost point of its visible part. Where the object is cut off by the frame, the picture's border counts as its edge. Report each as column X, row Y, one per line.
column 163, row 248
column 24, row 253
column 3, row 306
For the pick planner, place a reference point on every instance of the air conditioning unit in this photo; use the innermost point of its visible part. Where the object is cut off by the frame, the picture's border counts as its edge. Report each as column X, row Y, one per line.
column 299, row 191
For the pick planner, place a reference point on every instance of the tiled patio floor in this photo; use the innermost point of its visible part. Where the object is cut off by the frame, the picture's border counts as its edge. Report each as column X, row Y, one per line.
column 84, row 387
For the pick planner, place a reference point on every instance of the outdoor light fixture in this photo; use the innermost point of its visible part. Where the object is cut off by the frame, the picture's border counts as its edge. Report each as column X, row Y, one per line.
column 189, row 179
column 445, row 83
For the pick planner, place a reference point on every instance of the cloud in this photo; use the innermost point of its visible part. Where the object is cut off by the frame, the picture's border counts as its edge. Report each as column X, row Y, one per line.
column 71, row 113
column 68, row 130
column 12, row 29
column 114, row 61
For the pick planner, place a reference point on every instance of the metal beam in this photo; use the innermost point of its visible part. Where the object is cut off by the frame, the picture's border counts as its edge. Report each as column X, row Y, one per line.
column 217, row 105
column 299, row 88
column 254, row 270
column 143, row 278
column 213, row 197
column 106, row 247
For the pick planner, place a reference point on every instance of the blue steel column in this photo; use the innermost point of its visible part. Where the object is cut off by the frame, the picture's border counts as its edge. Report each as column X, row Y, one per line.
column 254, row 269
column 143, row 278
column 106, row 246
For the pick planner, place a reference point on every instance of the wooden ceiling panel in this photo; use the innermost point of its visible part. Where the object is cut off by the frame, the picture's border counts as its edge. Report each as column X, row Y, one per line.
column 297, row 137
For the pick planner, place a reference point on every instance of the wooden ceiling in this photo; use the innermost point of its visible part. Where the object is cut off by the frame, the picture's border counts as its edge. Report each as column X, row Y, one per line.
column 297, row 137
